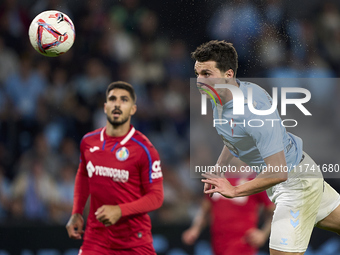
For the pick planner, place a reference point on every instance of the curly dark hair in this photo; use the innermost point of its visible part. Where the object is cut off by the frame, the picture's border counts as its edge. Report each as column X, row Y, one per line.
column 222, row 52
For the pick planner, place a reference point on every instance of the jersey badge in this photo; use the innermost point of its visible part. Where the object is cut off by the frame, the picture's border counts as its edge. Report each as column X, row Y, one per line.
column 122, row 154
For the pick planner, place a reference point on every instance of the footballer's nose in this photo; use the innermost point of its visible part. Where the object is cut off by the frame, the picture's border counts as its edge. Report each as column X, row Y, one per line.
column 200, row 77
column 117, row 103
column 202, row 81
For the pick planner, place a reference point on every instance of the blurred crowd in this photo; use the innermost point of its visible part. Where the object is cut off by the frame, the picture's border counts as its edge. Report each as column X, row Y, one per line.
column 48, row 104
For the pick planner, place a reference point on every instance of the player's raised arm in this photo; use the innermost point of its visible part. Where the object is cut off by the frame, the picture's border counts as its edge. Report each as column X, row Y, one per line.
column 225, row 157
column 223, row 160
column 263, row 181
column 267, row 178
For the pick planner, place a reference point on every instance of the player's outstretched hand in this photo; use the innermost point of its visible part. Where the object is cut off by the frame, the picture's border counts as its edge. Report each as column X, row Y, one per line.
column 255, row 237
column 75, row 226
column 108, row 214
column 216, row 173
column 208, row 187
column 219, row 184
column 190, row 236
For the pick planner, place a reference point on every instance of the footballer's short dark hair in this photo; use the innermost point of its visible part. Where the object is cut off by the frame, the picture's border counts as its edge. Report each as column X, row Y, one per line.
column 222, row 52
column 122, row 85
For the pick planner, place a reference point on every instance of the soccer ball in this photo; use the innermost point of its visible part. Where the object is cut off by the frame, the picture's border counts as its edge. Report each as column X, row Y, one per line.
column 52, row 33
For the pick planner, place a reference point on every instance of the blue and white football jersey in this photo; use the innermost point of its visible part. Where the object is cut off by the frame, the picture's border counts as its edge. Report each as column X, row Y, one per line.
column 253, row 137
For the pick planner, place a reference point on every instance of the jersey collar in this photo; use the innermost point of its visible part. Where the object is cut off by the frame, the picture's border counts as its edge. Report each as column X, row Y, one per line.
column 124, row 139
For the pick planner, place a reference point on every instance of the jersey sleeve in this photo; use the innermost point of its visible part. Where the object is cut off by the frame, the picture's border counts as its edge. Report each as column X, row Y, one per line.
column 150, row 164
column 268, row 138
column 151, row 181
column 81, row 187
column 151, row 200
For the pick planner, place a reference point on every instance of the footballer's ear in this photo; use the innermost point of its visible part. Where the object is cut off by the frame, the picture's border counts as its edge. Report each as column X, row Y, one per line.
column 105, row 108
column 229, row 73
column 133, row 109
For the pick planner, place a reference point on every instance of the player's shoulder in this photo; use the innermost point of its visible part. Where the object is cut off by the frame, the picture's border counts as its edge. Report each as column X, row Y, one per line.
column 261, row 100
column 91, row 136
column 143, row 143
column 257, row 90
column 139, row 138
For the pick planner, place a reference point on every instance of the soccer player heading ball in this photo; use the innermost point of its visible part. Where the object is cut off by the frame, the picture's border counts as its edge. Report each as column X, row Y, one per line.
column 121, row 171
column 303, row 199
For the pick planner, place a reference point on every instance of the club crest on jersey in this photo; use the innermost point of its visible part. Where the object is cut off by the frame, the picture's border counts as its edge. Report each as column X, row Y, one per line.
column 122, row 154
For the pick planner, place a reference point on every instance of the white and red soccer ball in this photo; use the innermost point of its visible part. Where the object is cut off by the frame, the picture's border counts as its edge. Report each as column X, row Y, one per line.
column 52, row 33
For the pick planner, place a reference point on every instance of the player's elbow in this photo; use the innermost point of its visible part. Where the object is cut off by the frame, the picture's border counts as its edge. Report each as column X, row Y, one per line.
column 282, row 177
column 156, row 198
column 159, row 199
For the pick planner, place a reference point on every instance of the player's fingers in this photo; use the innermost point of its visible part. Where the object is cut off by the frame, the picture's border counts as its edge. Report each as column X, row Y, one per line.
column 209, row 175
column 250, row 232
column 252, row 242
column 210, row 195
column 188, row 238
column 76, row 228
column 70, row 228
column 72, row 233
column 211, row 187
column 188, row 241
column 251, row 238
column 101, row 217
column 211, row 191
column 209, row 181
column 106, row 222
column 185, row 236
column 100, row 210
column 76, row 236
column 81, row 226
column 206, row 186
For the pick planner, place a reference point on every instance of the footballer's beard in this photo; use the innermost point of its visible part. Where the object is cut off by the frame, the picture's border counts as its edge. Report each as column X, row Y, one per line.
column 117, row 123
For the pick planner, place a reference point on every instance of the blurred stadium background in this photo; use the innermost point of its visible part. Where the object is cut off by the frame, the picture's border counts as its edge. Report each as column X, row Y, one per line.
column 48, row 104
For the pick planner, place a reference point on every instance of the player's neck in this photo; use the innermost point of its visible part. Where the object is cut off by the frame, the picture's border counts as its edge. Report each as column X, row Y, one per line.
column 117, row 131
column 225, row 94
